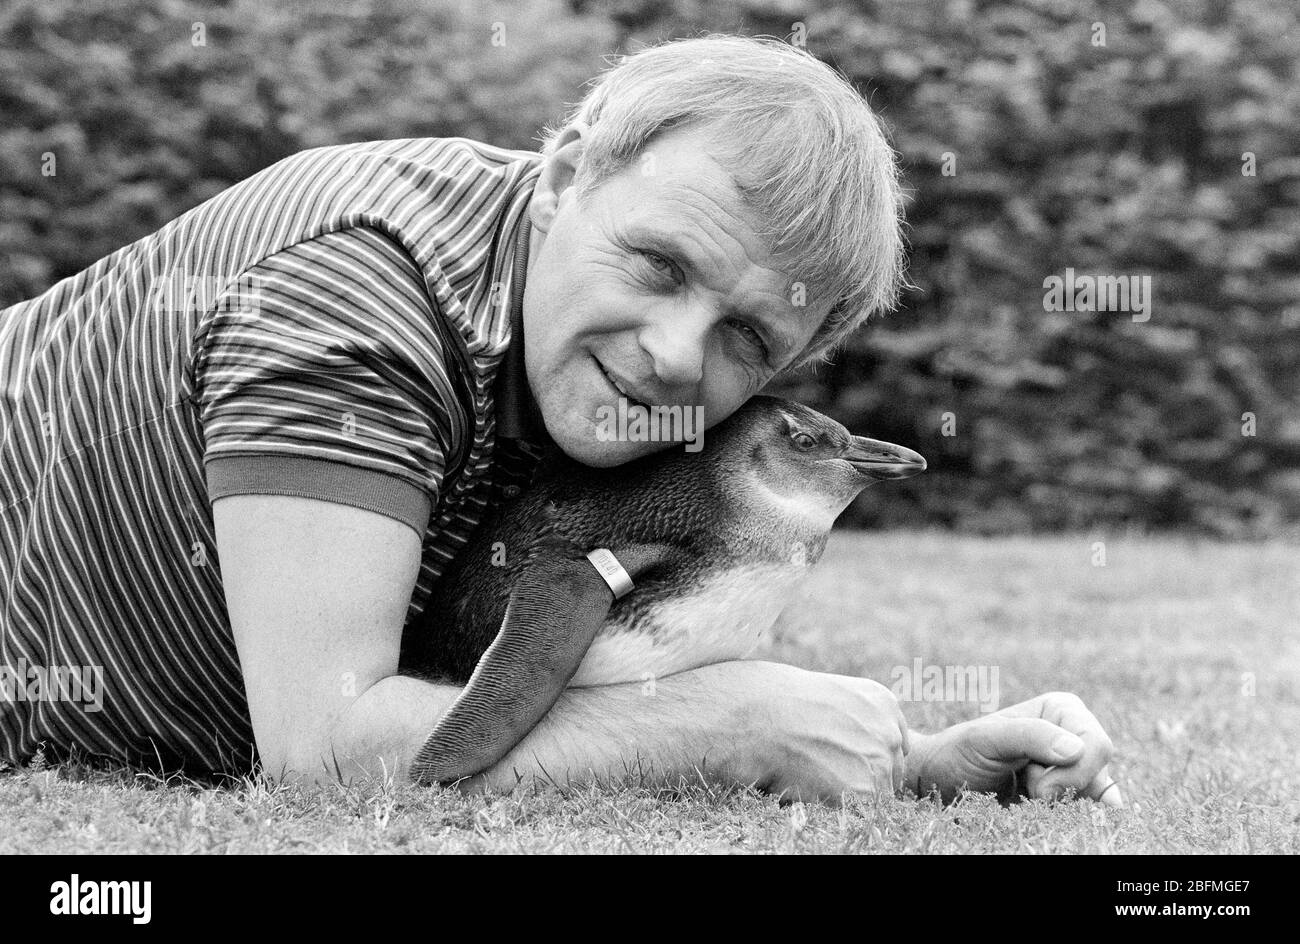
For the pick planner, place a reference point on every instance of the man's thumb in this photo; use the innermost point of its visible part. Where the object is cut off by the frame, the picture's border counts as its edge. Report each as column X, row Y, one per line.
column 1033, row 739
column 1065, row 747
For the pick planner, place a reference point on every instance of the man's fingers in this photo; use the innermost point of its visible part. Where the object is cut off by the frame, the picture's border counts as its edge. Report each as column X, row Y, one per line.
column 1082, row 770
column 1064, row 709
column 1058, row 759
column 1010, row 739
column 1068, row 710
column 1070, row 713
column 1104, row 789
column 902, row 727
column 900, row 768
column 1034, row 774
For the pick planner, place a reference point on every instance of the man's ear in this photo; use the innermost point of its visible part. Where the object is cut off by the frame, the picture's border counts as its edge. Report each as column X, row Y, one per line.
column 558, row 170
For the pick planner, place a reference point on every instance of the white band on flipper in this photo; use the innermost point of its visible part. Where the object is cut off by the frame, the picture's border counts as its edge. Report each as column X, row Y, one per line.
column 611, row 571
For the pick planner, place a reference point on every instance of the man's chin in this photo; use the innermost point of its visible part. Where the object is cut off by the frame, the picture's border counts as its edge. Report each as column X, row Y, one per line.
column 586, row 447
column 601, row 455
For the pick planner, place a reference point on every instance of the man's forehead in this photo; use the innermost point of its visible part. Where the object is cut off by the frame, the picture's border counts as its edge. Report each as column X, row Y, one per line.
column 698, row 185
column 683, row 165
column 704, row 209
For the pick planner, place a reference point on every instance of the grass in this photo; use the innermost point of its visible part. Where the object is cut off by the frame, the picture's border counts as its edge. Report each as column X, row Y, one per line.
column 1163, row 643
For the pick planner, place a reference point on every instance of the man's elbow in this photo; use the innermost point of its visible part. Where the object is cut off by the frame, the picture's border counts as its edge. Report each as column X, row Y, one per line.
column 302, row 766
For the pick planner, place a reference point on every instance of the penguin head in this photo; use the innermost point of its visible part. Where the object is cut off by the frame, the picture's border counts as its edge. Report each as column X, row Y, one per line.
column 808, row 463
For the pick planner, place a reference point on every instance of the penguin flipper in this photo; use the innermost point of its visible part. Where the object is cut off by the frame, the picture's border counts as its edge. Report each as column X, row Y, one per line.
column 554, row 613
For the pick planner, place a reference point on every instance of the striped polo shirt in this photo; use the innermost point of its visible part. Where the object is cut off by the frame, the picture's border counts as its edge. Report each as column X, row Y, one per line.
column 334, row 327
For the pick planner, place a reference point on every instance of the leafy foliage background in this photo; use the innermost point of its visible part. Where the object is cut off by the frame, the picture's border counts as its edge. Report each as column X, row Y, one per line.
column 1122, row 159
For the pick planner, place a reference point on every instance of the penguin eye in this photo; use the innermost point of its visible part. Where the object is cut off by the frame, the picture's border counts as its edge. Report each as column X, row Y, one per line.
column 804, row 441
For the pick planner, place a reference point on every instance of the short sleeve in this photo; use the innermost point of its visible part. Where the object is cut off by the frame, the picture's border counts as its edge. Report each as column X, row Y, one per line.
column 329, row 378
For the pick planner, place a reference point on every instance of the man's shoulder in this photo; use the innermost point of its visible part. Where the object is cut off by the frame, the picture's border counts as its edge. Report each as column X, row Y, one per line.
column 442, row 199
column 448, row 154
column 412, row 189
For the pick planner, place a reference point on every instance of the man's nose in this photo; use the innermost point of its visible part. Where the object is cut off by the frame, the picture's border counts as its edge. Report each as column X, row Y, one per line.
column 676, row 349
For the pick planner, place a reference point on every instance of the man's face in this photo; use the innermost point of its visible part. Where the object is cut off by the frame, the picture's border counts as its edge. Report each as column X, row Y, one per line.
column 657, row 284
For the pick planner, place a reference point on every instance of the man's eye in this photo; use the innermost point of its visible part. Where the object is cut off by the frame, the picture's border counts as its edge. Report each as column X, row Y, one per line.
column 751, row 336
column 660, row 263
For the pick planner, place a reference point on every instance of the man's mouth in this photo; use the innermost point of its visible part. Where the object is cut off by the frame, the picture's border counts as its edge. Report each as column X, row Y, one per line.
column 619, row 388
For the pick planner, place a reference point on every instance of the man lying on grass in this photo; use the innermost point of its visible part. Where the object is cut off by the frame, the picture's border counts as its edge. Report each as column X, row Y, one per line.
column 237, row 453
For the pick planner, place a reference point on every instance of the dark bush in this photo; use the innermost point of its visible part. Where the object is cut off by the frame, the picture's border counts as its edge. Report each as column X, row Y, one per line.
column 1029, row 148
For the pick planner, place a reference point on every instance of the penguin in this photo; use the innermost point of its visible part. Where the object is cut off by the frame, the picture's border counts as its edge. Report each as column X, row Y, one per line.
column 714, row 543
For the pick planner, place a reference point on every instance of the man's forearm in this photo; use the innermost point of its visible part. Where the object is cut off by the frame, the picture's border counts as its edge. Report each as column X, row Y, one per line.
column 696, row 722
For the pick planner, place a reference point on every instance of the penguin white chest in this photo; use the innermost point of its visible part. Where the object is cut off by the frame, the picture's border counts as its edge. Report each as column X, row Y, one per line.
column 721, row 618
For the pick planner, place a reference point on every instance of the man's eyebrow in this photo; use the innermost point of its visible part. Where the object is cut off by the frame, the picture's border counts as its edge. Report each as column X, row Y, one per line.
column 669, row 246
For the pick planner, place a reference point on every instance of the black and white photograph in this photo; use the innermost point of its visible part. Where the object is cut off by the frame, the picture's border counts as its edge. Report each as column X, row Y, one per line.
column 650, row 427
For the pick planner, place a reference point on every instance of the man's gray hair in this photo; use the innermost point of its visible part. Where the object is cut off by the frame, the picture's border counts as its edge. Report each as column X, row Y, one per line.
column 805, row 150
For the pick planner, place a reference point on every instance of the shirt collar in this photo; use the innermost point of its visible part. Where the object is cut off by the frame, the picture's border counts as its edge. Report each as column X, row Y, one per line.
column 517, row 413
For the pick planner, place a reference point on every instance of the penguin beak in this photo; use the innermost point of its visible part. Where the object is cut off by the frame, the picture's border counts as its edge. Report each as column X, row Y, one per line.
column 882, row 460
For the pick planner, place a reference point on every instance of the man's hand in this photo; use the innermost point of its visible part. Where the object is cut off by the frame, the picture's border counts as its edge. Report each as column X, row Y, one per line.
column 1054, row 739
column 826, row 735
